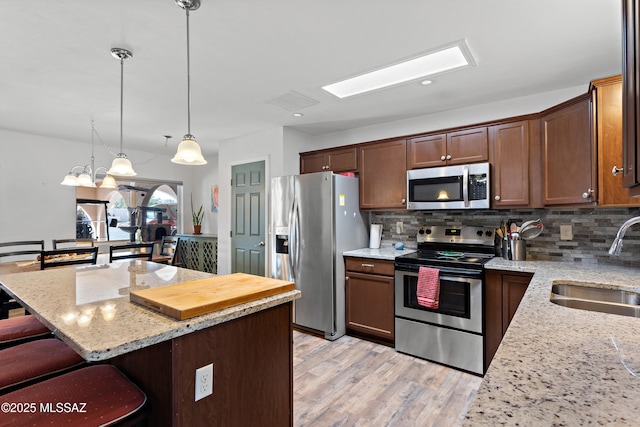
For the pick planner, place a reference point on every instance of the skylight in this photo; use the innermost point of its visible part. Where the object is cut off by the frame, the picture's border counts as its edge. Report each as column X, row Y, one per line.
column 450, row 57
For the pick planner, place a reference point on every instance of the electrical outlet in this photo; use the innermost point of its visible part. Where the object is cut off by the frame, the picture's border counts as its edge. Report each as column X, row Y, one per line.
column 399, row 227
column 566, row 232
column 204, row 381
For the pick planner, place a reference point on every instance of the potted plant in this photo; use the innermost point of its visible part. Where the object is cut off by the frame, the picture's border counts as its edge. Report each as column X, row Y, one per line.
column 197, row 218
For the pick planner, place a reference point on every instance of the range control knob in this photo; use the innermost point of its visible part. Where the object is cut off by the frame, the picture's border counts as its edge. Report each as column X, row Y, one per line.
column 488, row 233
column 421, row 231
column 479, row 233
column 428, row 231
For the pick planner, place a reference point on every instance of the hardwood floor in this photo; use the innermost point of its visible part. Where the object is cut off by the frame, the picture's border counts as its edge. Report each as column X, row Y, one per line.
column 352, row 382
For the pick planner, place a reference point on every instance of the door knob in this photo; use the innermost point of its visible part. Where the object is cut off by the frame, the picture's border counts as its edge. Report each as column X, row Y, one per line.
column 587, row 193
column 260, row 244
column 616, row 170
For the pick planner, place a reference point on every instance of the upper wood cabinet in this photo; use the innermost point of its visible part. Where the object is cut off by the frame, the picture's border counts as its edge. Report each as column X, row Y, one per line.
column 383, row 175
column 607, row 101
column 509, row 156
column 568, row 154
column 453, row 148
column 630, row 96
column 337, row 160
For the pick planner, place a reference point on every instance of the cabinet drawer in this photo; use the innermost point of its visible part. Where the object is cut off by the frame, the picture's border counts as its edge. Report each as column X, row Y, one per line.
column 370, row 265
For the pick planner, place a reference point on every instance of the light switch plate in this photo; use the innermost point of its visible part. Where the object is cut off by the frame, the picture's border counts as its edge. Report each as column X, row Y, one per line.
column 566, row 232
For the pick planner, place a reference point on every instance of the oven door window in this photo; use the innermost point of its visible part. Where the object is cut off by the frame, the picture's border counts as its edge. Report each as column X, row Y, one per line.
column 441, row 189
column 455, row 296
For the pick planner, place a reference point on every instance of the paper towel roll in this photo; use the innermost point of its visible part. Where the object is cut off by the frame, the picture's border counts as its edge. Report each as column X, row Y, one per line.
column 375, row 236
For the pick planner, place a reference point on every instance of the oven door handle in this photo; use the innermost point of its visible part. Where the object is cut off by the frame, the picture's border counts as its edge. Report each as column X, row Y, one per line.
column 444, row 272
column 465, row 185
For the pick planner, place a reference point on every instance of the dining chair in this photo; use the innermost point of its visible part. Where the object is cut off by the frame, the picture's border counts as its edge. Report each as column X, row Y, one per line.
column 18, row 250
column 169, row 247
column 66, row 257
column 71, row 243
column 131, row 250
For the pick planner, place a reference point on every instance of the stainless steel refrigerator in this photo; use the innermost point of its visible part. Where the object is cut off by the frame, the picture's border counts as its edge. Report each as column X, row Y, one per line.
column 314, row 219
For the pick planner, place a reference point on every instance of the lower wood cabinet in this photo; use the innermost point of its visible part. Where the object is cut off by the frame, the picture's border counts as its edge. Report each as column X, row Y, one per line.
column 369, row 298
column 198, row 252
column 503, row 291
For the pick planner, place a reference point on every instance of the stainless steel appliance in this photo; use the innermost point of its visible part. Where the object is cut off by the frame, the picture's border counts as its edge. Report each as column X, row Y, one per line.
column 314, row 218
column 452, row 334
column 449, row 187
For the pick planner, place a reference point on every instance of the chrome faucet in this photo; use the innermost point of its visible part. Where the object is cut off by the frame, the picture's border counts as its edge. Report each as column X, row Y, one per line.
column 616, row 246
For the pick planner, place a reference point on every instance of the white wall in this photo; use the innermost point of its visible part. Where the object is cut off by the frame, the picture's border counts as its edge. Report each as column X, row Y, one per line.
column 205, row 177
column 267, row 146
column 33, row 204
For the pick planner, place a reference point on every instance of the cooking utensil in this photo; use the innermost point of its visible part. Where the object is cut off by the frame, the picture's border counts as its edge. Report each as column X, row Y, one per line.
column 531, row 229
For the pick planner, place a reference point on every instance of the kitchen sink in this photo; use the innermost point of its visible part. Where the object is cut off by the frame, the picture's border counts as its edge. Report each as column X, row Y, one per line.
column 590, row 298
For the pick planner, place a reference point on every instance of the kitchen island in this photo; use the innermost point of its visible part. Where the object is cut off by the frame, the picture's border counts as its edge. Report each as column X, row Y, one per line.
column 563, row 366
column 249, row 345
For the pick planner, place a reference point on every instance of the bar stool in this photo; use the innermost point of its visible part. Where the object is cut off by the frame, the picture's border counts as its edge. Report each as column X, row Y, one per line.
column 98, row 395
column 35, row 360
column 20, row 329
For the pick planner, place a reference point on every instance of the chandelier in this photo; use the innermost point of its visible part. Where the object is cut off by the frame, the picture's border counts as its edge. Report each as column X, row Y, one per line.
column 88, row 173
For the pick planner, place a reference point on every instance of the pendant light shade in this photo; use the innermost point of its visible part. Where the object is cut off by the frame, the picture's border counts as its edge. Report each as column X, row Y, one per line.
column 70, row 179
column 189, row 152
column 121, row 166
column 108, row 182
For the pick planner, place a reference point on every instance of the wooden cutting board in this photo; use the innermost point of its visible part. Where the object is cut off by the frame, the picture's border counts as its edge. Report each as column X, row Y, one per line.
column 189, row 299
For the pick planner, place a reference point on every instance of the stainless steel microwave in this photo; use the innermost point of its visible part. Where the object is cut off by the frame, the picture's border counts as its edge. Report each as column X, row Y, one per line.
column 449, row 187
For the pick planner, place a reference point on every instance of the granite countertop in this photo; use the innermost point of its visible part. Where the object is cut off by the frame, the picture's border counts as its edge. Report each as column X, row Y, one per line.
column 89, row 308
column 385, row 252
column 563, row 366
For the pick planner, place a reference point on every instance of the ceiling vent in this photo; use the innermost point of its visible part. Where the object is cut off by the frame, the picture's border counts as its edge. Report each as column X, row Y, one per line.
column 292, row 101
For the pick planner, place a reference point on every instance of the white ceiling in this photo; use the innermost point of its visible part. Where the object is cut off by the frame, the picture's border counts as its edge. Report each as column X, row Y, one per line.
column 57, row 73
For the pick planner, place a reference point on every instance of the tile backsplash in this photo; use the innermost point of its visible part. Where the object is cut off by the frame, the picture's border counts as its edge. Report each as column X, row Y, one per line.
column 593, row 230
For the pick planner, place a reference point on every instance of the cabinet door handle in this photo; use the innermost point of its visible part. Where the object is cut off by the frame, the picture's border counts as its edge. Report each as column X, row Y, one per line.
column 497, row 198
column 368, row 265
column 616, row 170
column 403, row 201
column 443, row 158
column 587, row 193
column 448, row 156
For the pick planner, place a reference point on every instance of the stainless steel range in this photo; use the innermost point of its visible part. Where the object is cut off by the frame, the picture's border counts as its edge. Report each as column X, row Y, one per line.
column 453, row 333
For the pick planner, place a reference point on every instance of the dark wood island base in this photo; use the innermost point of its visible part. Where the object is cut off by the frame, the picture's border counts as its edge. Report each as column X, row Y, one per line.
column 252, row 373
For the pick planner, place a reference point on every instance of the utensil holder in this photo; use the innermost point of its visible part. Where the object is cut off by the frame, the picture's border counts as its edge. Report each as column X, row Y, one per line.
column 518, row 250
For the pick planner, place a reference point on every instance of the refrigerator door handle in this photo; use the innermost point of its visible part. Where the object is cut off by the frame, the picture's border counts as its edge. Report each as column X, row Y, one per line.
column 293, row 240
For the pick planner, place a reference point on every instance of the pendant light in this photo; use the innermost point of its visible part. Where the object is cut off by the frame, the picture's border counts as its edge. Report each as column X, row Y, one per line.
column 189, row 152
column 87, row 178
column 121, row 166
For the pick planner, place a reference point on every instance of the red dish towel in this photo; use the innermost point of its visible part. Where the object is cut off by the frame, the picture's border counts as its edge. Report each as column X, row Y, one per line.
column 428, row 291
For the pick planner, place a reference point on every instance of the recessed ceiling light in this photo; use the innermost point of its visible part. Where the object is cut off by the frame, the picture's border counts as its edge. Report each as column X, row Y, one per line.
column 426, row 82
column 451, row 57
column 297, row 114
